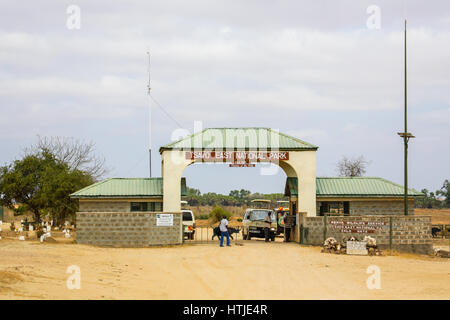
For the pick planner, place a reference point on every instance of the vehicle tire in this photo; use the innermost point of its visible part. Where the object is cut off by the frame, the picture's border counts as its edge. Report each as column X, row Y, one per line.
column 249, row 237
column 272, row 238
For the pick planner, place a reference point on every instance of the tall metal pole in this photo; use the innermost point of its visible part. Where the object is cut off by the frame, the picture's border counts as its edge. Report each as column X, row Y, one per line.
column 406, row 136
column 149, row 118
column 405, row 139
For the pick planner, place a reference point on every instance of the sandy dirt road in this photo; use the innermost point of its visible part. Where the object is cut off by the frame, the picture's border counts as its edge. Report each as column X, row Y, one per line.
column 256, row 270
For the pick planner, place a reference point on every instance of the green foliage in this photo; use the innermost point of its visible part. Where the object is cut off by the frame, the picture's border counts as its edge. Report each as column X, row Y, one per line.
column 21, row 209
column 193, row 192
column 203, row 217
column 42, row 184
column 236, row 198
column 438, row 199
column 428, row 201
column 445, row 192
column 239, row 194
column 218, row 213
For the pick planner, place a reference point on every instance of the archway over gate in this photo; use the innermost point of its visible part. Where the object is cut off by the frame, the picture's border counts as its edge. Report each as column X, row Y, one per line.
column 241, row 147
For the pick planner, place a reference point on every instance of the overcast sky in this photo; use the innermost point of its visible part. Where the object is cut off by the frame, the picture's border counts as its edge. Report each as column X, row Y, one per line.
column 312, row 69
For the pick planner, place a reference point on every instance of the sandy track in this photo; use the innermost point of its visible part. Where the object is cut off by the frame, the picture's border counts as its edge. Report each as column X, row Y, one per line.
column 256, row 270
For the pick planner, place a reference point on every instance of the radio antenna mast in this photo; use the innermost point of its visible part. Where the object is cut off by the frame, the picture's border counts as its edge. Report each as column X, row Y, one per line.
column 149, row 118
column 405, row 136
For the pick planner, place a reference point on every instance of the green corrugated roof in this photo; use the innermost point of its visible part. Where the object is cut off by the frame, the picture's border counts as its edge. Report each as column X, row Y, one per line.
column 126, row 188
column 352, row 187
column 239, row 139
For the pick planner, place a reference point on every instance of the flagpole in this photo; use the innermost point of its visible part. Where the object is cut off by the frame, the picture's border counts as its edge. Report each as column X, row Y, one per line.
column 149, row 119
column 406, row 136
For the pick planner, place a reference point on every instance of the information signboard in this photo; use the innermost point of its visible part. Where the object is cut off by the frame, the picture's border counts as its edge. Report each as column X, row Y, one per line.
column 164, row 219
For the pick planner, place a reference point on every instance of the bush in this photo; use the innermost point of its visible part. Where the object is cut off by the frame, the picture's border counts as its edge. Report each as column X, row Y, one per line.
column 239, row 219
column 203, row 217
column 218, row 213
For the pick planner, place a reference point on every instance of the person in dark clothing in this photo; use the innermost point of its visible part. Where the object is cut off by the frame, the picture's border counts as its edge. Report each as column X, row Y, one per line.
column 267, row 224
column 287, row 228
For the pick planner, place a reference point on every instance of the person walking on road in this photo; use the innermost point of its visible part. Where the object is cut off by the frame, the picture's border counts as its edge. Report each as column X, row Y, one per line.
column 287, row 228
column 267, row 224
column 224, row 231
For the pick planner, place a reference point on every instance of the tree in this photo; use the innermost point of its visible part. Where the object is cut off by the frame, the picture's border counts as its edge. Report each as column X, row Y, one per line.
column 218, row 213
column 428, row 201
column 41, row 183
column 57, row 184
column 78, row 155
column 192, row 192
column 20, row 183
column 445, row 192
column 234, row 194
column 355, row 167
column 244, row 193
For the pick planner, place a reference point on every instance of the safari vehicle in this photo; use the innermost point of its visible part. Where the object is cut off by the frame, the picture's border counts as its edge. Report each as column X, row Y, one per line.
column 253, row 222
column 188, row 222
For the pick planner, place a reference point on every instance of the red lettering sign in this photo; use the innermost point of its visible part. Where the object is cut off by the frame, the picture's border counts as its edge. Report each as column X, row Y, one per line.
column 237, row 156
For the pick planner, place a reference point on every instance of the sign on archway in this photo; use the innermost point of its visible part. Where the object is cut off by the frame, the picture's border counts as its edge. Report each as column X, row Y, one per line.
column 242, row 147
column 237, row 156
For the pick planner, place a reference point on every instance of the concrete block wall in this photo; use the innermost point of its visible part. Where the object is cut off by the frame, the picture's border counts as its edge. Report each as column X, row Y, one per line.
column 104, row 206
column 126, row 229
column 409, row 233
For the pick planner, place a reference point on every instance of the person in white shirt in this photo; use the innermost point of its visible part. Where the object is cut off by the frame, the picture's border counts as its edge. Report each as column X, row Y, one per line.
column 224, row 231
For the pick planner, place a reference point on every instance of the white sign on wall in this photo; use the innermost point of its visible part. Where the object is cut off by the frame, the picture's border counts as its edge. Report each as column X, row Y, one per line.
column 356, row 247
column 164, row 219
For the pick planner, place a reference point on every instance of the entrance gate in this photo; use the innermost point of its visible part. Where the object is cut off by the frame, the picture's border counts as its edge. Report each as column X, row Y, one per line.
column 204, row 235
column 242, row 147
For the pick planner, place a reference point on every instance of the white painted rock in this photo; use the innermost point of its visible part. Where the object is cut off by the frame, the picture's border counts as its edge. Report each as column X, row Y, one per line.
column 67, row 235
column 22, row 238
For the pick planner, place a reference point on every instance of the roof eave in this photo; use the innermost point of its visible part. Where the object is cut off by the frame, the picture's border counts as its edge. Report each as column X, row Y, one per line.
column 117, row 197
column 162, row 149
column 364, row 196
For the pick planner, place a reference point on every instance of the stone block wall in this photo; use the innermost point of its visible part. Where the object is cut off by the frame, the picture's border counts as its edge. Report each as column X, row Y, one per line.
column 103, row 206
column 127, row 229
column 409, row 233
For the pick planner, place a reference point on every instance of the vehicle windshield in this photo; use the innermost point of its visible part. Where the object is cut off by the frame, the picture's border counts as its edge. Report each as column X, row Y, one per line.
column 187, row 216
column 259, row 215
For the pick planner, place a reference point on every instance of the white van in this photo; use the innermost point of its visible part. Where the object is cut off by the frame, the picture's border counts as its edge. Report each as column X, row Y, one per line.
column 188, row 224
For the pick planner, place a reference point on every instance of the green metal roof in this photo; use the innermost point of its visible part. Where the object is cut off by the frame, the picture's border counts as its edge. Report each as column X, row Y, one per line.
column 126, row 188
column 239, row 139
column 352, row 187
